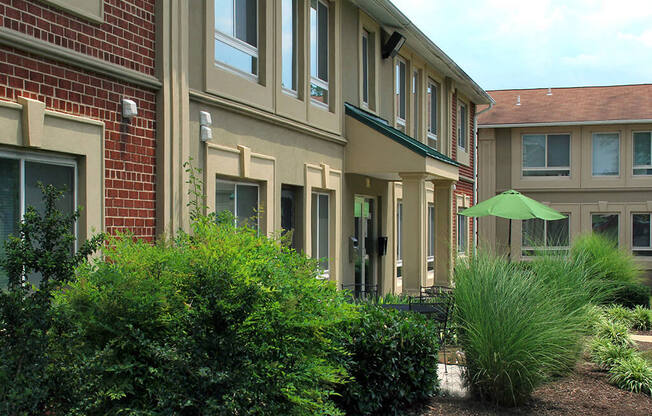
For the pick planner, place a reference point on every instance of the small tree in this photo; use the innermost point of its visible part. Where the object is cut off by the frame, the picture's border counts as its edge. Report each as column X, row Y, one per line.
column 44, row 245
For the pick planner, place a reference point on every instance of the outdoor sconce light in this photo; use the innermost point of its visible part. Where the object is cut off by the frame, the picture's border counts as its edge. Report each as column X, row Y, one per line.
column 129, row 109
column 393, row 45
column 205, row 123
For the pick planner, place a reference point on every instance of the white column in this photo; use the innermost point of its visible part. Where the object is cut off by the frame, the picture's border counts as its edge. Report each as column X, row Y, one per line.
column 414, row 232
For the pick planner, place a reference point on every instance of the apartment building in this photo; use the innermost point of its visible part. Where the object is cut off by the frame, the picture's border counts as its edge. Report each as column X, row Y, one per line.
column 338, row 121
column 584, row 151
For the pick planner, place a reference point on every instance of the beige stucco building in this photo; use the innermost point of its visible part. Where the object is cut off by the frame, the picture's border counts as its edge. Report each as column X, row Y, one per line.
column 584, row 151
column 309, row 116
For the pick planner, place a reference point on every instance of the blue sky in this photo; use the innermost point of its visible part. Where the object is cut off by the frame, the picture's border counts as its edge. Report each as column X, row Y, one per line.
column 541, row 43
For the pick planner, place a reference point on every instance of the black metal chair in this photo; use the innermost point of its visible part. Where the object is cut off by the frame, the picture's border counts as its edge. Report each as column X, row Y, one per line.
column 436, row 303
column 362, row 292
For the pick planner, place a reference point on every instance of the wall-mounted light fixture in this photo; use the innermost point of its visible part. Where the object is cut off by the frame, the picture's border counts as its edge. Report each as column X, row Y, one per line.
column 393, row 45
column 205, row 123
column 129, row 109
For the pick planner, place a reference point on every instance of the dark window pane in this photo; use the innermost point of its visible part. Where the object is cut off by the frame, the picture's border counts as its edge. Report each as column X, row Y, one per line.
column 289, row 44
column 532, row 233
column 224, row 197
column 365, row 69
column 558, row 150
column 557, row 233
column 402, row 90
column 291, row 213
column 247, row 205
column 246, row 21
column 606, row 154
column 62, row 177
column 534, row 151
column 606, row 225
column 323, row 231
column 9, row 205
column 642, row 149
column 323, row 42
column 641, row 230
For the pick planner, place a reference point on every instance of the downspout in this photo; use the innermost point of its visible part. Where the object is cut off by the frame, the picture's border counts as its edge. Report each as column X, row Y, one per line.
column 475, row 172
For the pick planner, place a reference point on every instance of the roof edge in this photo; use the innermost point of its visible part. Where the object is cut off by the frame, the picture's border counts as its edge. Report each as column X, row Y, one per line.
column 566, row 123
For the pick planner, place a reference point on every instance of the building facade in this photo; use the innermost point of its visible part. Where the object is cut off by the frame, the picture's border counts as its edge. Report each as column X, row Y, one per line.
column 338, row 121
column 583, row 151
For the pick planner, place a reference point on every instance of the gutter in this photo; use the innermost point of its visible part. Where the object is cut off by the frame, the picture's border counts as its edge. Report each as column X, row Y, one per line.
column 562, row 123
column 475, row 171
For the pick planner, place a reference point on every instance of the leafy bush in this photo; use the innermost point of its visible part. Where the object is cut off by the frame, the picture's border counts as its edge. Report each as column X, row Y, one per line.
column 608, row 262
column 518, row 328
column 630, row 295
column 393, row 361
column 642, row 318
column 633, row 374
column 605, row 353
column 615, row 332
column 620, row 315
column 221, row 321
column 43, row 250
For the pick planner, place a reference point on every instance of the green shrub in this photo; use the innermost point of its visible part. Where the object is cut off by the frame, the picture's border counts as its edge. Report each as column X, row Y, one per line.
column 518, row 328
column 393, row 361
column 630, row 295
column 605, row 353
column 221, row 321
column 607, row 261
column 642, row 318
column 620, row 315
column 614, row 332
column 633, row 374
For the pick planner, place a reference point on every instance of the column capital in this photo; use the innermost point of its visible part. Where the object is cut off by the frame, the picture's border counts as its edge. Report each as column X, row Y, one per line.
column 413, row 176
column 443, row 183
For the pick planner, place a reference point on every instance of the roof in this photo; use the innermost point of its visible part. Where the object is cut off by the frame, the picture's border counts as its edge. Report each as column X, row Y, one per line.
column 382, row 126
column 569, row 105
column 391, row 18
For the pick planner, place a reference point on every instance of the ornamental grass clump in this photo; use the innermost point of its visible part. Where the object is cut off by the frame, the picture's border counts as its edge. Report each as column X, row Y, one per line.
column 642, row 318
column 605, row 353
column 519, row 327
column 632, row 373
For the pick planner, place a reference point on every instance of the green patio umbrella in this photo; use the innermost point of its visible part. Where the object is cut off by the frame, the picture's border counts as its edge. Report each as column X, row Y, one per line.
column 512, row 205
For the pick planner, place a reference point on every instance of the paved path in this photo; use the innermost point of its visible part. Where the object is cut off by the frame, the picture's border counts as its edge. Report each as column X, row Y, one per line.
column 642, row 338
column 451, row 382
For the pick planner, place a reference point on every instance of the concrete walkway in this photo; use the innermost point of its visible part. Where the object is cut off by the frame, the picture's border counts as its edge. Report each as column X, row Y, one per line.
column 451, row 382
column 642, row 338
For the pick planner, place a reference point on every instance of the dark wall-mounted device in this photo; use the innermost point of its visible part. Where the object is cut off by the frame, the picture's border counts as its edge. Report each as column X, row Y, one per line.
column 393, row 45
column 382, row 246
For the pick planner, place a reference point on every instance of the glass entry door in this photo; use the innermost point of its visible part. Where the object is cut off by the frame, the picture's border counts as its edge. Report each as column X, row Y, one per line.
column 365, row 271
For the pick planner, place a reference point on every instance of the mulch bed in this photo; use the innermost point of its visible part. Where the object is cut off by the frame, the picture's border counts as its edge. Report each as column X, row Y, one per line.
column 585, row 392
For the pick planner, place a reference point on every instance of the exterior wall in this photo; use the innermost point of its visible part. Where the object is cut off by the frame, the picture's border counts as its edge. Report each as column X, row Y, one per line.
column 125, row 39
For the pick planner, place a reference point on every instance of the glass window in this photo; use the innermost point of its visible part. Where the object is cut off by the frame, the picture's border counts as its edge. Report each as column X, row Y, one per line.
column 431, row 237
column 240, row 199
column 416, row 108
column 291, row 213
column 643, row 153
column 319, row 51
column 641, row 235
column 546, row 154
column 606, row 154
column 462, row 127
column 365, row 67
column 19, row 179
column 236, row 34
column 462, row 234
column 399, row 239
column 539, row 234
column 400, row 94
column 433, row 108
column 605, row 224
column 320, row 229
column 289, row 39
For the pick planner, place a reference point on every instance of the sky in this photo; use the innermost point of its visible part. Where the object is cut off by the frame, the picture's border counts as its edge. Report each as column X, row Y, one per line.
column 505, row 44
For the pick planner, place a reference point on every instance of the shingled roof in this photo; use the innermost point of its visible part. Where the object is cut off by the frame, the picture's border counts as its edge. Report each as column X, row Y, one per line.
column 569, row 105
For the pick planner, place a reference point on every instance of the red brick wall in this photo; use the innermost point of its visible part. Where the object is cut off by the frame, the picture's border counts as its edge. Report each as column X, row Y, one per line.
column 130, row 197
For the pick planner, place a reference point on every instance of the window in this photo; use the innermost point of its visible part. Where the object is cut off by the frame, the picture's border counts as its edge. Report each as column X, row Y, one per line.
column 319, row 51
column 433, row 109
column 291, row 213
column 546, row 154
column 643, row 153
column 462, row 127
column 289, row 45
column 431, row 237
column 236, row 35
column 320, row 228
column 540, row 234
column 399, row 239
column 462, row 234
column 606, row 225
column 606, row 154
column 641, row 235
column 400, row 93
column 416, row 107
column 19, row 178
column 365, row 68
column 240, row 199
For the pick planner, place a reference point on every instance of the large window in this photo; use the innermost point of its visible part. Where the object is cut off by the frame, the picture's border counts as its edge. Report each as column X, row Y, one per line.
column 606, row 154
column 462, row 234
column 320, row 228
column 236, row 35
column 546, row 154
column 399, row 239
column 416, row 108
column 289, row 43
column 433, row 109
column 462, row 127
column 240, row 199
column 542, row 235
column 19, row 179
column 641, row 243
column 400, row 102
column 643, row 153
column 319, row 51
column 431, row 237
column 291, row 214
column 606, row 225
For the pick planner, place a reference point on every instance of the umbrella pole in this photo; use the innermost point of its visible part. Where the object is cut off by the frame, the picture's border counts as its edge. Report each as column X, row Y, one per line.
column 509, row 242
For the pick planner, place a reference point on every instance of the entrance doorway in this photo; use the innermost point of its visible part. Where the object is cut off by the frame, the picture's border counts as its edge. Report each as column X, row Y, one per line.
column 366, row 283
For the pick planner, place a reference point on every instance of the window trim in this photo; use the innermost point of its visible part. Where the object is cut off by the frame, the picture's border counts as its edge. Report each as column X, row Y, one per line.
column 641, row 248
column 547, row 168
column 235, row 201
column 240, row 45
column 325, row 275
column 593, row 174
column 634, row 166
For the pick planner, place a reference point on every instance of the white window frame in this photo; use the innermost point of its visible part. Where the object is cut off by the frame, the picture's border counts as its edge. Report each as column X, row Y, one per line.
column 325, row 273
column 642, row 248
column 235, row 200
column 546, row 167
column 399, row 239
column 59, row 160
column 434, row 95
column 634, row 166
column 316, row 80
column 240, row 45
column 546, row 247
column 462, row 128
column 397, row 93
column 593, row 174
